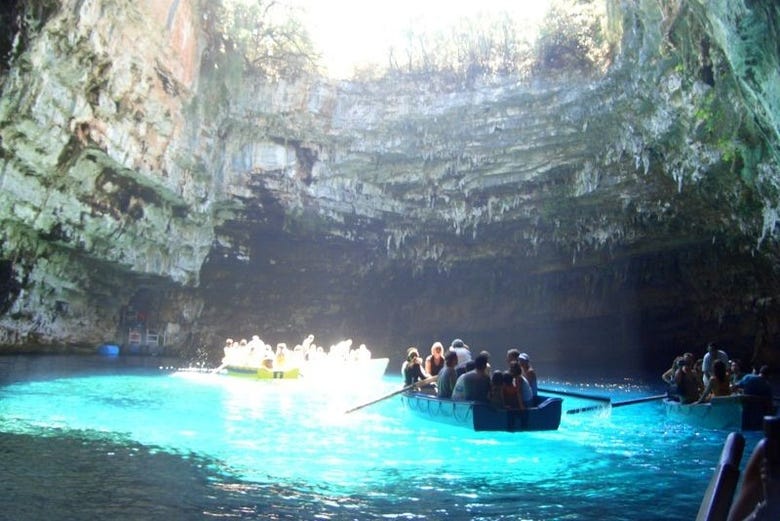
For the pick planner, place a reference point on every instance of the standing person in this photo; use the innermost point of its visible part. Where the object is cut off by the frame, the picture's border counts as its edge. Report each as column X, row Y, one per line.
column 434, row 362
column 529, row 373
column 412, row 368
column 445, row 382
column 713, row 353
column 475, row 384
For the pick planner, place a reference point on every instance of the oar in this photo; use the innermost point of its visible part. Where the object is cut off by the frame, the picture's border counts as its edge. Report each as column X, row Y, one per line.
column 218, row 369
column 576, row 395
column 427, row 381
column 617, row 404
column 640, row 400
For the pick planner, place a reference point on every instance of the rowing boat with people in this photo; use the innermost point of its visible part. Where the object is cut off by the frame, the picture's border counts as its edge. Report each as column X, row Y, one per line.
column 479, row 416
column 735, row 412
column 264, row 373
column 368, row 369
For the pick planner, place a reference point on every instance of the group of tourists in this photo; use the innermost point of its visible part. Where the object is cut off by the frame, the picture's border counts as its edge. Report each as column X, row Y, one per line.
column 255, row 353
column 459, row 376
column 713, row 375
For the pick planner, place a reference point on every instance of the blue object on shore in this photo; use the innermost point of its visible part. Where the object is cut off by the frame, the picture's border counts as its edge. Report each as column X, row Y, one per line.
column 108, row 350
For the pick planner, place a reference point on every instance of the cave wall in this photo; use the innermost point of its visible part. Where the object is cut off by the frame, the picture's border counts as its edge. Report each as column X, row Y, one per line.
column 632, row 210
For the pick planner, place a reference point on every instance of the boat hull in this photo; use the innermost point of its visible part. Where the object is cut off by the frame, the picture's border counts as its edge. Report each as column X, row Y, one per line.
column 546, row 416
column 263, row 373
column 737, row 412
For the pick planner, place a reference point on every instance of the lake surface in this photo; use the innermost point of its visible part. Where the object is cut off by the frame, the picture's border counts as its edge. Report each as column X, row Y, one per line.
column 136, row 438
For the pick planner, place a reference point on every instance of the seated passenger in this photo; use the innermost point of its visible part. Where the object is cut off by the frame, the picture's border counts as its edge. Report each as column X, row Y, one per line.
column 474, row 385
column 668, row 376
column 756, row 384
column 464, row 354
column 718, row 384
column 511, row 394
column 528, row 372
column 497, row 390
column 412, row 369
column 735, row 373
column 447, row 376
column 434, row 362
column 686, row 385
column 524, row 391
column 757, row 497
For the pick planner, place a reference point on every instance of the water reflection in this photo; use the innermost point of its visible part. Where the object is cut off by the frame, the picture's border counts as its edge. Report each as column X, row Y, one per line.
column 190, row 445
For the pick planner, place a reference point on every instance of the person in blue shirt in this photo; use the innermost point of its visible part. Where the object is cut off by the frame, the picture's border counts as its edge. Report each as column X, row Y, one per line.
column 756, row 384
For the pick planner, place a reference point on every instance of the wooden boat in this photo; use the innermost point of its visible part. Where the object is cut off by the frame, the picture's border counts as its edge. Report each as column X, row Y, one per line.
column 264, row 373
column 736, row 412
column 478, row 416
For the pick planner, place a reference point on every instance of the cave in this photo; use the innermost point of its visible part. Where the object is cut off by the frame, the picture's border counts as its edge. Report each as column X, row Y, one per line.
column 609, row 206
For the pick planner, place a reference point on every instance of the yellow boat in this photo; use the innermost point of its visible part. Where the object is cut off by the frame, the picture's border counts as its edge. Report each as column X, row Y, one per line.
column 264, row 373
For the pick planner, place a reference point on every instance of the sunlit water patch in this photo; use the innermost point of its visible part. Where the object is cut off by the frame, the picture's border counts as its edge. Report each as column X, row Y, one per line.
column 193, row 445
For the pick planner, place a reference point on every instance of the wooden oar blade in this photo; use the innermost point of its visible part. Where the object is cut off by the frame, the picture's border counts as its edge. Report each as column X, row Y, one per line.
column 589, row 408
column 640, row 400
column 616, row 404
column 575, row 394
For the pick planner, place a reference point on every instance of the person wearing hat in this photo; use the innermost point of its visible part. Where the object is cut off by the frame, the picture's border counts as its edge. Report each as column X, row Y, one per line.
column 528, row 372
column 464, row 354
column 412, row 368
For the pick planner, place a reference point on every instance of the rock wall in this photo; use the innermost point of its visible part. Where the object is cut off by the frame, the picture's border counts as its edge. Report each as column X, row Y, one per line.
column 633, row 210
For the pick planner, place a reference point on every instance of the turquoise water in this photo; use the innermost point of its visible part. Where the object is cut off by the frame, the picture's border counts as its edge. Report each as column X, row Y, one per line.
column 107, row 439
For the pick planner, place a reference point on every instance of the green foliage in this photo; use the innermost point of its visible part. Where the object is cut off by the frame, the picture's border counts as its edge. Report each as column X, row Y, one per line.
column 476, row 47
column 572, row 37
column 264, row 36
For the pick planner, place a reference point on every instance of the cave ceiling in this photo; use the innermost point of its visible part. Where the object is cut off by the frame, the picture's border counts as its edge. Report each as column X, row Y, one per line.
column 630, row 208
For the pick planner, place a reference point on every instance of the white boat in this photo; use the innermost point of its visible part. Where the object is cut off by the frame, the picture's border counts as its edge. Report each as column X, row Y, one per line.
column 735, row 412
column 334, row 369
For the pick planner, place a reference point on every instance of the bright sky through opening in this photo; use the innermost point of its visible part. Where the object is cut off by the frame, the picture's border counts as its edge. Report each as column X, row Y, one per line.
column 354, row 32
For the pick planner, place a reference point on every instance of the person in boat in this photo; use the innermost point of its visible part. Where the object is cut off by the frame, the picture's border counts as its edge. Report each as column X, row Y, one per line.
column 529, row 373
column 474, row 385
column 686, row 385
column 718, row 384
column 434, row 362
column 668, row 375
column 464, row 354
column 280, row 357
column 497, row 390
column 758, row 497
column 756, row 384
column 735, row 374
column 712, row 354
column 525, row 394
column 511, row 394
column 445, row 382
column 412, row 369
